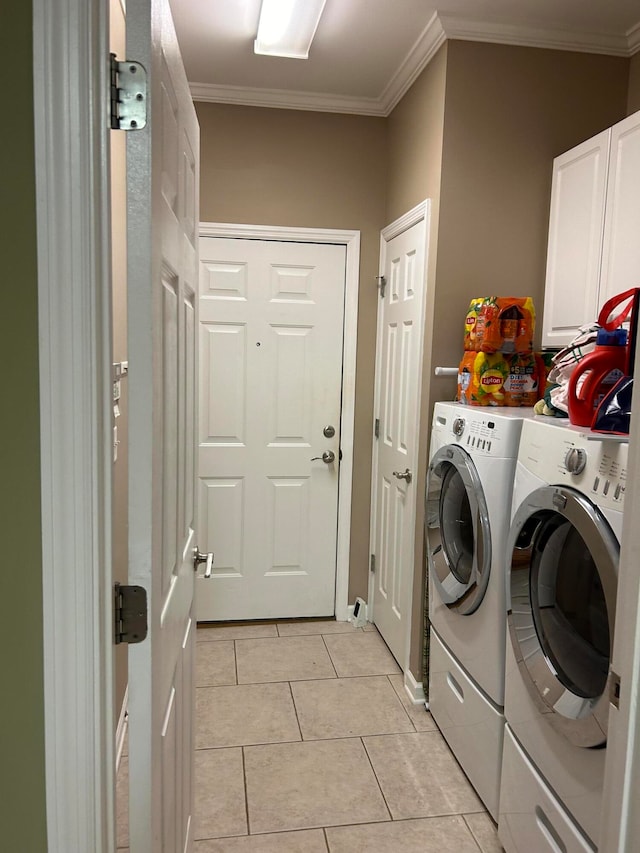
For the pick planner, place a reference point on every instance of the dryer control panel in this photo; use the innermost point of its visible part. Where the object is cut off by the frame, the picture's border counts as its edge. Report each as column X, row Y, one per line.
column 484, row 432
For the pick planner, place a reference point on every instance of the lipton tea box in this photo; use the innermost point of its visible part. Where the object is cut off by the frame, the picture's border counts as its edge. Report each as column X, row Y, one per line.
column 522, row 385
column 505, row 324
column 481, row 378
column 470, row 324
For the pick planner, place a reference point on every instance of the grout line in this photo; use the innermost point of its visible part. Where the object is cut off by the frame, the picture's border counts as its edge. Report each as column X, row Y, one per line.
column 295, row 710
column 326, row 839
column 333, row 666
column 246, row 794
column 235, row 660
column 402, row 705
column 471, row 832
column 375, row 776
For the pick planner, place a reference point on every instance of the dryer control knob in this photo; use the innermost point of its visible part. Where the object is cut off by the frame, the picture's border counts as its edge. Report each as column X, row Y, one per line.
column 575, row 460
column 458, row 426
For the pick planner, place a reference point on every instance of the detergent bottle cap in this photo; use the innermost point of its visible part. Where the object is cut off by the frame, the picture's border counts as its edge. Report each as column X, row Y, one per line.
column 614, row 338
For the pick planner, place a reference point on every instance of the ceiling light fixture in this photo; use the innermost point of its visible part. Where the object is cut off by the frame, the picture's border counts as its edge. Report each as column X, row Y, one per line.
column 287, row 27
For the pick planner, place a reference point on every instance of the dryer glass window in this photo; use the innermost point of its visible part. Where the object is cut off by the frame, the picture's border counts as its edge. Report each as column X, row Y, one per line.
column 569, row 607
column 456, row 526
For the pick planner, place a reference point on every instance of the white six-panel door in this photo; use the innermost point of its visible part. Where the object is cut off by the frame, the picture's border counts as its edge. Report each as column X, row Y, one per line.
column 162, row 212
column 398, row 378
column 270, row 374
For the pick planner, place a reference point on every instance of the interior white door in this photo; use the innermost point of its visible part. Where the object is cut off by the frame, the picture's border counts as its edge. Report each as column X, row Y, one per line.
column 162, row 250
column 398, row 381
column 270, row 374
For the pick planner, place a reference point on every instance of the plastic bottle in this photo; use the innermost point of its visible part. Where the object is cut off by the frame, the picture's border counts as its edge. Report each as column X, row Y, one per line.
column 598, row 371
column 510, row 320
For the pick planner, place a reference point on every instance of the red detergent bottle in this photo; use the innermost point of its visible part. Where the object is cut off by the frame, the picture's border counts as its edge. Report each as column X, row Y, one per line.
column 595, row 375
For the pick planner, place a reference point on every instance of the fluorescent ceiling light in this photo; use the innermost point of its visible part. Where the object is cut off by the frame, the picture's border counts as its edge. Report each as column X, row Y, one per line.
column 287, row 27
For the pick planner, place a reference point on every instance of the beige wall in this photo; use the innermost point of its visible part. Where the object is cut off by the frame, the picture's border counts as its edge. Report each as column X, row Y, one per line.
column 507, row 112
column 314, row 170
column 22, row 782
column 633, row 101
column 119, row 280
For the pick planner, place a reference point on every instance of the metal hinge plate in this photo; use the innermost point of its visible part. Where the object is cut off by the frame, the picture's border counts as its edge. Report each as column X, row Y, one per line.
column 382, row 283
column 128, row 95
column 130, row 613
column 372, row 564
column 376, row 428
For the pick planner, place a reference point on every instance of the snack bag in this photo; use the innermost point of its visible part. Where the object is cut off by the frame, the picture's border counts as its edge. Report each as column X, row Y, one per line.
column 521, row 387
column 505, row 324
column 470, row 324
column 481, row 378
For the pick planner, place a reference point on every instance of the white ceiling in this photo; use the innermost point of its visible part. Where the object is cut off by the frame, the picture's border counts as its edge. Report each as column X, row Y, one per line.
column 366, row 53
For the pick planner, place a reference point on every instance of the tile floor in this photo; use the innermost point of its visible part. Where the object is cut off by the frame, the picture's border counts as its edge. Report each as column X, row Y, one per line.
column 307, row 743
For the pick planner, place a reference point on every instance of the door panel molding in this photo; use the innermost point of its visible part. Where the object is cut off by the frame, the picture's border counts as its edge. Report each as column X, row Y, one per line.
column 392, row 354
column 351, row 241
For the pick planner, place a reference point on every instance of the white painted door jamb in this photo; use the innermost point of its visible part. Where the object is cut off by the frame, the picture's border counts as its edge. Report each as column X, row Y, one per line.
column 351, row 241
column 72, row 186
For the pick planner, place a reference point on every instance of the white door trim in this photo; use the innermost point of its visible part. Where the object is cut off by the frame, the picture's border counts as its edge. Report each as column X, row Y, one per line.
column 351, row 241
column 71, row 82
column 420, row 213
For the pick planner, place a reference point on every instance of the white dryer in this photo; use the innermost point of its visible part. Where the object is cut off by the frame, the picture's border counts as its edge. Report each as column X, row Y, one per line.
column 469, row 486
column 563, row 550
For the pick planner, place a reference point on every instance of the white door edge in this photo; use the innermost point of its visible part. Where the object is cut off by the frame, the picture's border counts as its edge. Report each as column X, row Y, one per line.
column 72, row 197
column 419, row 213
column 351, row 241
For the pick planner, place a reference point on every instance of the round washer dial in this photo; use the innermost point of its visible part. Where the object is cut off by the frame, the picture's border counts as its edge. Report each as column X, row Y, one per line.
column 575, row 460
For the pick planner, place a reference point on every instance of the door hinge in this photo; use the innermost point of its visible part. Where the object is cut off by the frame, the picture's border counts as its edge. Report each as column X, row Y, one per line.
column 382, row 283
column 372, row 564
column 130, row 613
column 614, row 689
column 376, row 428
column 128, row 96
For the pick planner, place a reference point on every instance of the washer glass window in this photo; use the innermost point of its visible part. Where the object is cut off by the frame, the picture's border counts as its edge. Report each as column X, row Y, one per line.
column 569, row 607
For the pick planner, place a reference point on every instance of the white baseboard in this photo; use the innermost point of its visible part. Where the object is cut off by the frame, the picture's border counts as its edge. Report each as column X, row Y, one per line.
column 121, row 730
column 415, row 689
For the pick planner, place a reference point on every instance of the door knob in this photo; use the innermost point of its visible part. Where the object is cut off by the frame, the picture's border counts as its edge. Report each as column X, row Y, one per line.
column 199, row 557
column 403, row 475
column 327, row 457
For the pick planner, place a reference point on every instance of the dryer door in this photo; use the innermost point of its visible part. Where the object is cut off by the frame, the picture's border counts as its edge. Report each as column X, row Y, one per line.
column 563, row 584
column 457, row 530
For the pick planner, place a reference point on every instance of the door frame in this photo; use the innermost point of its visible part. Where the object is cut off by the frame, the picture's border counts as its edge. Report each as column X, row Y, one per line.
column 420, row 213
column 351, row 241
column 71, row 81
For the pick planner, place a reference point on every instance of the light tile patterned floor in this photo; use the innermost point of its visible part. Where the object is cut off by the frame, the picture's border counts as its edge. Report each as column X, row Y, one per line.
column 307, row 743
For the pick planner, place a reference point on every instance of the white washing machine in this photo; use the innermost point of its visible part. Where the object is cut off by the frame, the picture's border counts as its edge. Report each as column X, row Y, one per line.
column 563, row 550
column 469, row 486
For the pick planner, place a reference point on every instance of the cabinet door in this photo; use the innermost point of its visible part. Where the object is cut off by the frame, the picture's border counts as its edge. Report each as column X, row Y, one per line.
column 621, row 246
column 574, row 254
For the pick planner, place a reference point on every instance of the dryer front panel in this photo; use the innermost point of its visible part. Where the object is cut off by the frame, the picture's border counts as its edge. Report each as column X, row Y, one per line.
column 563, row 584
column 457, row 530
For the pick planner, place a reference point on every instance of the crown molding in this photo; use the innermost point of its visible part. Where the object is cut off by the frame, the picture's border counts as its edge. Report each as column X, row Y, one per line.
column 441, row 27
column 285, row 99
column 633, row 39
column 468, row 29
column 425, row 48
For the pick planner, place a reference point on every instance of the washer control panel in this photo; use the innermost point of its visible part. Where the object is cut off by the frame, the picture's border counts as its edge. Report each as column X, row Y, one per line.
column 595, row 465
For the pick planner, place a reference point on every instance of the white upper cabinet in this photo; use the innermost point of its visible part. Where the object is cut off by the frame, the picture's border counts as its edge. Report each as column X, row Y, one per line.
column 594, row 223
column 621, row 245
column 576, row 223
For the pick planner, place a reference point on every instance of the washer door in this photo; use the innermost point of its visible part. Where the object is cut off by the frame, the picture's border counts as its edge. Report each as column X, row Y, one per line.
column 457, row 530
column 563, row 584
